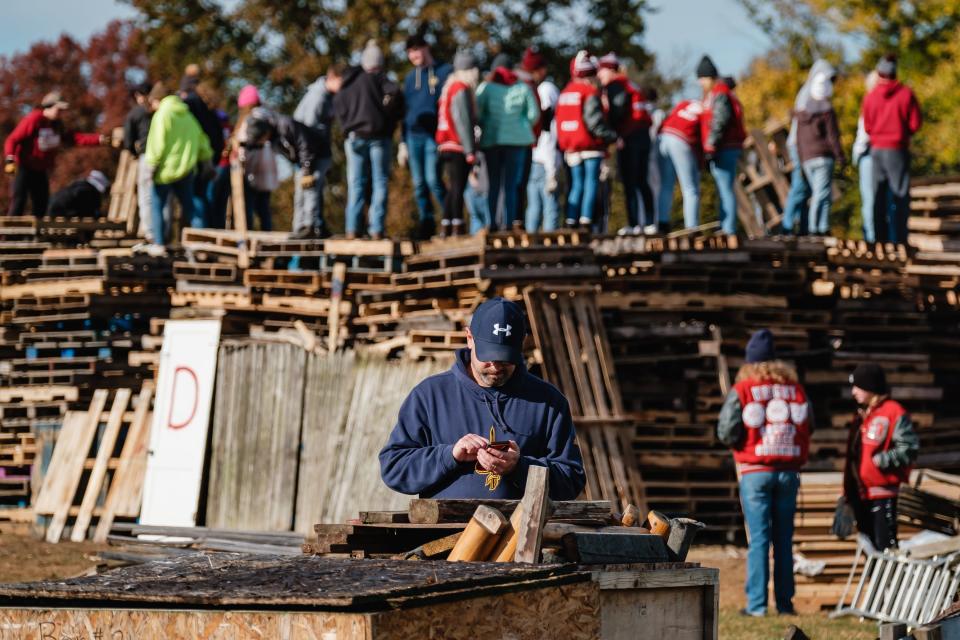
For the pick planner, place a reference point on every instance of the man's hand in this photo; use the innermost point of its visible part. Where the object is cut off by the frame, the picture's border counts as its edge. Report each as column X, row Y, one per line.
column 471, row 159
column 402, row 154
column 552, row 184
column 501, row 462
column 307, row 180
column 467, row 447
column 10, row 166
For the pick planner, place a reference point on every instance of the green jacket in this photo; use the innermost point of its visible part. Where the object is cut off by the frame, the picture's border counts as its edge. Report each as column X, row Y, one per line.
column 506, row 114
column 176, row 142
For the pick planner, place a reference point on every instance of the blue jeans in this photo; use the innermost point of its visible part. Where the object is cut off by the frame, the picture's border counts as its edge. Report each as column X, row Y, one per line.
column 183, row 190
column 769, row 501
column 504, row 171
column 819, row 173
column 865, row 169
column 678, row 162
column 423, row 169
column 367, row 159
column 541, row 204
column 724, row 172
column 201, row 203
column 797, row 196
column 308, row 203
column 584, row 185
column 478, row 207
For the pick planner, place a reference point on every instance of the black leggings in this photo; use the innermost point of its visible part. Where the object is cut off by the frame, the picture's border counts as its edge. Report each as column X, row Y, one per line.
column 456, row 171
column 34, row 183
column 877, row 519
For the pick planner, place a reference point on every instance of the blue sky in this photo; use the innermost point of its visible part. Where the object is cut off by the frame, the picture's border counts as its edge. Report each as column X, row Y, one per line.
column 679, row 32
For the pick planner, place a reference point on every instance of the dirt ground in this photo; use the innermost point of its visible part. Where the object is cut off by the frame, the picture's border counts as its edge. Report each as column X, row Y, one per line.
column 24, row 559
column 732, row 564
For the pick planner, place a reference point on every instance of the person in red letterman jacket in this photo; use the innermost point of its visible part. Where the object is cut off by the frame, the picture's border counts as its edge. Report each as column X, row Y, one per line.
column 881, row 448
column 766, row 420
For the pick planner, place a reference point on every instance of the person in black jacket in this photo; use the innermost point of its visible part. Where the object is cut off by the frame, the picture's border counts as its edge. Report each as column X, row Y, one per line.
column 369, row 105
column 81, row 198
column 136, row 126
column 298, row 143
column 210, row 124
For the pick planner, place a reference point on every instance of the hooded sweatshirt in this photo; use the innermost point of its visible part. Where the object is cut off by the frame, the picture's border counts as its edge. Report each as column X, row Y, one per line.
column 176, row 142
column 507, row 111
column 421, row 92
column 418, row 457
column 316, row 111
column 36, row 140
column 891, row 115
column 368, row 105
column 817, row 132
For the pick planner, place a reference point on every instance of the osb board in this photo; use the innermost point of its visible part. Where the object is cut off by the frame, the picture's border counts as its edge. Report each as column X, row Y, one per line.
column 568, row 611
column 654, row 614
column 130, row 624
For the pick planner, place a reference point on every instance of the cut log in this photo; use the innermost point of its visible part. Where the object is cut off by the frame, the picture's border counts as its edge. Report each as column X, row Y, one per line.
column 659, row 524
column 630, row 517
column 507, row 546
column 429, row 511
column 434, row 548
column 480, row 536
column 615, row 548
column 536, row 507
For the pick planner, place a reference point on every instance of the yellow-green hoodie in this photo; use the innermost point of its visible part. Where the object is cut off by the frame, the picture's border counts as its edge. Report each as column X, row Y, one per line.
column 176, row 142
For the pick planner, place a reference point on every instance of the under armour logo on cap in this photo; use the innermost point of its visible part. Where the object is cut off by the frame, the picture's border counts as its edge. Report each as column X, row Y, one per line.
column 498, row 329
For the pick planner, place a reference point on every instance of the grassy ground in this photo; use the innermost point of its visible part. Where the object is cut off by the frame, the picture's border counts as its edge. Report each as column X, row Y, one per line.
column 731, row 562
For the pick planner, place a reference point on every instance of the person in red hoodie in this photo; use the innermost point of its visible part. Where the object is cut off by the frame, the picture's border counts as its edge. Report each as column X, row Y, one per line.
column 891, row 116
column 881, row 448
column 31, row 151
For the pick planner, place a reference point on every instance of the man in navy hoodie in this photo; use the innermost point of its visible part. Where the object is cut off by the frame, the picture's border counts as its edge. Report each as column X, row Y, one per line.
column 439, row 447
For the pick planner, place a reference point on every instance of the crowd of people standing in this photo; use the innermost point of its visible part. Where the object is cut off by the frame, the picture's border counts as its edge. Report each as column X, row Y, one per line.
column 495, row 149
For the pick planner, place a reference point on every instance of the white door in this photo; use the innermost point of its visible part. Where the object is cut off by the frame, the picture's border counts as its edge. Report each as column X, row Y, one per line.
column 181, row 416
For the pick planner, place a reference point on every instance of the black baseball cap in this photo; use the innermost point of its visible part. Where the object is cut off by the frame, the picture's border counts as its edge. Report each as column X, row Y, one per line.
column 498, row 329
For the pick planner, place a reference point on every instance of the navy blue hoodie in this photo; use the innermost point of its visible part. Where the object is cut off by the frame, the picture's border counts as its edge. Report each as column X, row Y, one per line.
column 418, row 457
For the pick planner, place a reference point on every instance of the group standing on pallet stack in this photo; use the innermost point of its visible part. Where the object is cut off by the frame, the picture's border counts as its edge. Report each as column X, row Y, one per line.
column 499, row 149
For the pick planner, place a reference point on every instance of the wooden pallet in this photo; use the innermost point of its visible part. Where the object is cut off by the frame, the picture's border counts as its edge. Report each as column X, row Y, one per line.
column 83, row 468
column 572, row 345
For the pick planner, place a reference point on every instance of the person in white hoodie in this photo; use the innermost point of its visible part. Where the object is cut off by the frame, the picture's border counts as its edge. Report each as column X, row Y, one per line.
column 543, row 206
column 864, row 163
column 818, row 144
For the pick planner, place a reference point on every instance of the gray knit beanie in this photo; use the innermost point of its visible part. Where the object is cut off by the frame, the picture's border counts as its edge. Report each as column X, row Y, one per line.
column 371, row 58
column 887, row 67
column 464, row 60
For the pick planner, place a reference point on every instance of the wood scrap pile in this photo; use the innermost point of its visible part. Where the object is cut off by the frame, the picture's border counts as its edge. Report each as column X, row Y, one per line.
column 531, row 530
column 934, row 233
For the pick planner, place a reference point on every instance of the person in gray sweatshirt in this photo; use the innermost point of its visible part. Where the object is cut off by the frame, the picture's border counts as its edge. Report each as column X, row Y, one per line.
column 456, row 120
column 315, row 111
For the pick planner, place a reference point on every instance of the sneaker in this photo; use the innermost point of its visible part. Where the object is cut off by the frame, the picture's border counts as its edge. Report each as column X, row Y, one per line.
column 650, row 230
column 350, row 235
column 457, row 228
column 305, row 233
column 376, row 235
column 140, row 247
column 753, row 614
column 444, row 228
column 156, row 250
column 787, row 612
column 322, row 233
column 625, row 231
column 570, row 223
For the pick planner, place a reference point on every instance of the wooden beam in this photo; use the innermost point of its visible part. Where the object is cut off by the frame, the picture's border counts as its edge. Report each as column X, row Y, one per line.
column 535, row 505
column 433, row 511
